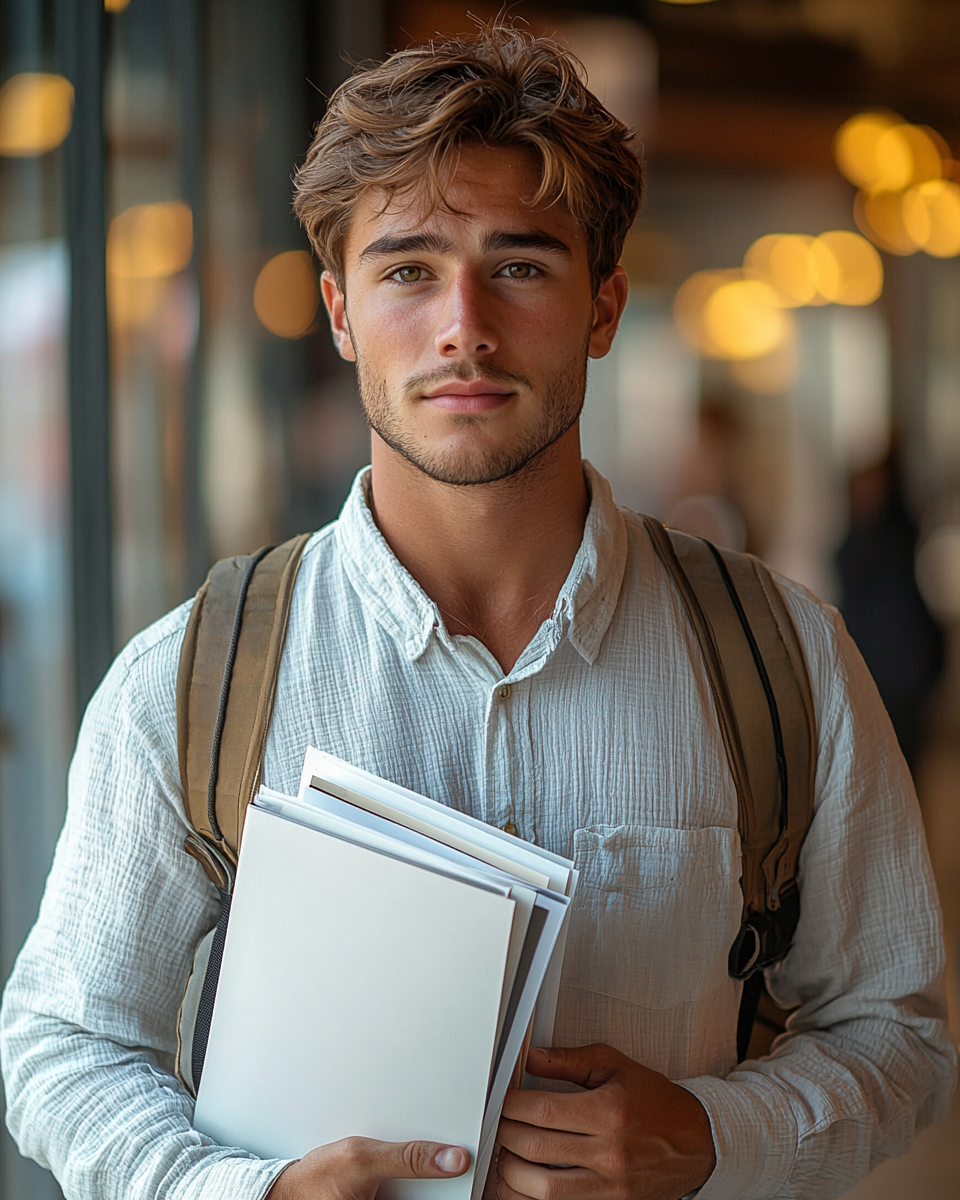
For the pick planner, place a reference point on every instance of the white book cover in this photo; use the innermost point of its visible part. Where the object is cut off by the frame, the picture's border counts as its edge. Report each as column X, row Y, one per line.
column 533, row 864
column 359, row 994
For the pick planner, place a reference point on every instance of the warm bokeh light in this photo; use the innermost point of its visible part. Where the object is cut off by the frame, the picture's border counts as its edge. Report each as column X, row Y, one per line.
column 931, row 217
column 743, row 319
column 689, row 303
column 783, row 261
column 722, row 314
column 772, row 374
column 908, row 154
column 115, row 6
column 285, row 296
column 134, row 303
column 879, row 215
column 848, row 269
column 838, row 267
column 36, row 111
column 855, row 145
column 743, row 316
column 150, row 241
column 938, row 572
column 879, row 151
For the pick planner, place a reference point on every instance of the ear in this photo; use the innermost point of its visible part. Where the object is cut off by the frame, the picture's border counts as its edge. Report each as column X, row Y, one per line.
column 607, row 310
column 336, row 306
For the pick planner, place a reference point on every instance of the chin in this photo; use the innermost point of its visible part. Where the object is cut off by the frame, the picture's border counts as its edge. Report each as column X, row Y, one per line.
column 477, row 453
column 474, row 467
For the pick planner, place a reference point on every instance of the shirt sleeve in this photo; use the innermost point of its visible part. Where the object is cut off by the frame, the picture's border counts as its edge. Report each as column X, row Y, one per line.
column 89, row 1014
column 867, row 1061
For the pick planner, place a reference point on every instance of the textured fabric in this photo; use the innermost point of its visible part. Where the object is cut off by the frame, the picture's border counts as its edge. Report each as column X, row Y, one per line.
column 602, row 744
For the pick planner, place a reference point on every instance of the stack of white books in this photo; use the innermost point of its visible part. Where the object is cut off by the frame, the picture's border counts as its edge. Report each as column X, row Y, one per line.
column 388, row 960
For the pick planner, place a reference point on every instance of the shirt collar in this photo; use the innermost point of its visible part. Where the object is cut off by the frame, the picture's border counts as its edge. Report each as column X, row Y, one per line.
column 584, row 607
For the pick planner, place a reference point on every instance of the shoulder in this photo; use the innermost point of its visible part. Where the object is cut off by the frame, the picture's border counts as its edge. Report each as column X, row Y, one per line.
column 854, row 731
column 323, row 590
column 827, row 647
column 818, row 623
column 148, row 663
column 319, row 554
column 833, row 663
column 130, row 725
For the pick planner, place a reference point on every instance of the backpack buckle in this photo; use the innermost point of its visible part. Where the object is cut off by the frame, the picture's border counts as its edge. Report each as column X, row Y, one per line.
column 765, row 938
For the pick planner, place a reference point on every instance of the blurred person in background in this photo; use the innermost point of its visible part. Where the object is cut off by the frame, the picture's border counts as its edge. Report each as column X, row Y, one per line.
column 484, row 625
column 900, row 641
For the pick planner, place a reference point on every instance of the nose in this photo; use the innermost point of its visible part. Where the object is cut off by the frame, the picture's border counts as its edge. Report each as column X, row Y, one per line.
column 466, row 328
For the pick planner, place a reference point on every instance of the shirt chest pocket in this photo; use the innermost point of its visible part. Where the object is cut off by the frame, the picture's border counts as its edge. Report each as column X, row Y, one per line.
column 655, row 914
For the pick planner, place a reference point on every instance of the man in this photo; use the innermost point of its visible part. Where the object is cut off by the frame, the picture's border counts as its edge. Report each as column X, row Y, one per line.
column 484, row 625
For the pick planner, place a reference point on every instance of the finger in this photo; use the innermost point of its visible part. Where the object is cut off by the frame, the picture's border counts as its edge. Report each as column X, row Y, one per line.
column 377, row 1161
column 518, row 1178
column 579, row 1113
column 546, row 1146
column 588, row 1066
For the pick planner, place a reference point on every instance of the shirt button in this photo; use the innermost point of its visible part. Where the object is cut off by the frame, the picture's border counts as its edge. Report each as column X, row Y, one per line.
column 510, row 828
column 504, row 691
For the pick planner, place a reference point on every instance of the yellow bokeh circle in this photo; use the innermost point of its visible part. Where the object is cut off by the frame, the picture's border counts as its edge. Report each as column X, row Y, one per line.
column 150, row 241
column 931, row 216
column 133, row 303
column 855, row 145
column 848, row 269
column 744, row 316
column 36, row 111
column 783, row 261
column 879, row 151
column 743, row 319
column 879, row 215
column 906, row 154
column 689, row 303
column 285, row 296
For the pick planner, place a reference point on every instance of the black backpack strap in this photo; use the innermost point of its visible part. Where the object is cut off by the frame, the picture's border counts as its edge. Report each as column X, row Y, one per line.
column 764, row 705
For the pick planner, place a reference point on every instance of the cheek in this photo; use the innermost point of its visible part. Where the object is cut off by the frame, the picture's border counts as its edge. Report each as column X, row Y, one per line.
column 550, row 331
column 391, row 333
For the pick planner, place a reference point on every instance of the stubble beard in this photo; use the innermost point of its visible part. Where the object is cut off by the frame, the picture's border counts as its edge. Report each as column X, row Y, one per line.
column 562, row 404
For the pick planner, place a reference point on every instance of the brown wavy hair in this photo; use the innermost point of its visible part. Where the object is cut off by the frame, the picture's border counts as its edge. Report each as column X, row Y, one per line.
column 397, row 126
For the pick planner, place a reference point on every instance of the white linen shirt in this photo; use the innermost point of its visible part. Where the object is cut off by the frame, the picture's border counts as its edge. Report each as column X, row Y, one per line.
column 602, row 744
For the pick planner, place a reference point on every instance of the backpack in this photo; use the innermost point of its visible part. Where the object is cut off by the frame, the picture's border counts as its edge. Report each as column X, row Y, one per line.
column 226, row 686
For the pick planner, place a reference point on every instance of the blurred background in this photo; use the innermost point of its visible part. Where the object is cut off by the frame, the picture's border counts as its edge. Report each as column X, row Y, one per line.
column 787, row 378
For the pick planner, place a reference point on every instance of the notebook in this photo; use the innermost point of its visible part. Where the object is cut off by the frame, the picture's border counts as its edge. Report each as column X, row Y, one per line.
column 376, row 979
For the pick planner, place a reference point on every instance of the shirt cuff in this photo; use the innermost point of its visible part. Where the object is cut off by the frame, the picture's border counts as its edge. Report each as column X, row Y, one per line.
column 236, row 1174
column 755, row 1135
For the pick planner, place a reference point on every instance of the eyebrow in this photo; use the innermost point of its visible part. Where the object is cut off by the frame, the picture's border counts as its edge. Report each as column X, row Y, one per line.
column 526, row 239
column 431, row 243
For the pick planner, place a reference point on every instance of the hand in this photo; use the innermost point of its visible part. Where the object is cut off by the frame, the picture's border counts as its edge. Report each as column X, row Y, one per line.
column 633, row 1135
column 354, row 1168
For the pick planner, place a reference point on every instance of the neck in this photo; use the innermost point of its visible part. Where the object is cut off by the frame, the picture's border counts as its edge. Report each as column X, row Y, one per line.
column 492, row 557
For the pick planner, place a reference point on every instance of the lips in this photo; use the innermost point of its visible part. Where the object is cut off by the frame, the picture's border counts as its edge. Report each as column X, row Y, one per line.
column 480, row 395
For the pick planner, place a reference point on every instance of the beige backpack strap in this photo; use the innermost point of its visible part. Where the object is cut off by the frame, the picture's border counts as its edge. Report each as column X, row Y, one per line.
column 764, row 705
column 226, row 687
column 778, row 647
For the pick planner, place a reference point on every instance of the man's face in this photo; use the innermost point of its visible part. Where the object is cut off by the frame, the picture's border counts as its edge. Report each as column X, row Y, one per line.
column 471, row 328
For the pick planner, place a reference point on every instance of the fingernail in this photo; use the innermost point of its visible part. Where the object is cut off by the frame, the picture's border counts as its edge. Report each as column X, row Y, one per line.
column 450, row 1159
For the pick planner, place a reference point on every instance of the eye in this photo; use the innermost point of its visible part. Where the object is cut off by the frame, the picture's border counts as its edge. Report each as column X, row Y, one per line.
column 408, row 274
column 520, row 270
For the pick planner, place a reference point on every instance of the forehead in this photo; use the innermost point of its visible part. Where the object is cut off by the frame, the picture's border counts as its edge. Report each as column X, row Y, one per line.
column 491, row 188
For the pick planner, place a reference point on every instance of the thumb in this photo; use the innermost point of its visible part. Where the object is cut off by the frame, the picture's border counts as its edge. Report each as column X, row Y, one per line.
column 418, row 1160
column 588, row 1066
